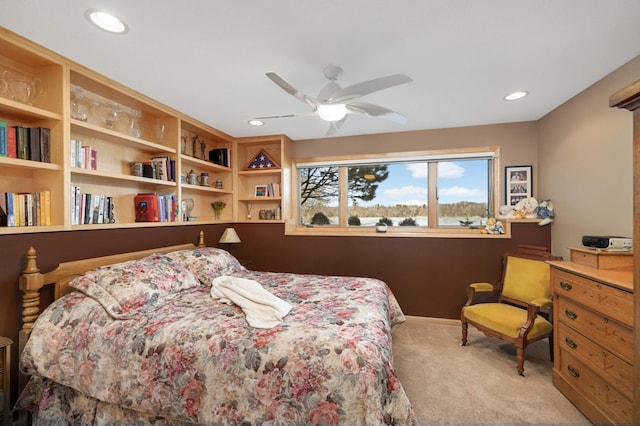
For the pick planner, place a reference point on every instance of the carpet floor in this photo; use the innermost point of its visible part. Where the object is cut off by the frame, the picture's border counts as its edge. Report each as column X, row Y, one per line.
column 478, row 383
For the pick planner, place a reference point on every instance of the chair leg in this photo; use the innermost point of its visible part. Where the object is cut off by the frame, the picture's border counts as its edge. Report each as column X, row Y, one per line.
column 551, row 346
column 520, row 352
column 465, row 327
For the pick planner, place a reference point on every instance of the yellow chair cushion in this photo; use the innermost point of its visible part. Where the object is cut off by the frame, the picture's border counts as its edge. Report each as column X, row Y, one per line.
column 506, row 319
column 526, row 279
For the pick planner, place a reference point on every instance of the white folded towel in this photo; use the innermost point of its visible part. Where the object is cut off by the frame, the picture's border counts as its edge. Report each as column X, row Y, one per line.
column 261, row 308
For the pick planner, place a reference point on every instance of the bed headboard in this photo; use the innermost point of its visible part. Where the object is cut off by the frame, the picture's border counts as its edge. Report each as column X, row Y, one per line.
column 32, row 280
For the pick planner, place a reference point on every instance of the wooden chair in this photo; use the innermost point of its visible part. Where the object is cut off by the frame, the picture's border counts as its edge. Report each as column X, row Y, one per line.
column 522, row 312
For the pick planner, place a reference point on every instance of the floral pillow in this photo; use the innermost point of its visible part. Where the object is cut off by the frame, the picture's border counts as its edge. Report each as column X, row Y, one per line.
column 129, row 288
column 207, row 263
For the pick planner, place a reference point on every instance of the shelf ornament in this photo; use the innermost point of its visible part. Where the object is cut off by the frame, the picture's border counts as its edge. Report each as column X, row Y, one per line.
column 262, row 160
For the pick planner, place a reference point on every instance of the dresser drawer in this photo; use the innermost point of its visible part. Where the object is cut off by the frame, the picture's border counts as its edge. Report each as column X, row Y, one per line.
column 616, row 337
column 612, row 302
column 604, row 396
column 613, row 369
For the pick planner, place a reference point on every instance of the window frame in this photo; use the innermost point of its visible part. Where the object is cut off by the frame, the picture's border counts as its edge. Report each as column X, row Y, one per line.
column 293, row 227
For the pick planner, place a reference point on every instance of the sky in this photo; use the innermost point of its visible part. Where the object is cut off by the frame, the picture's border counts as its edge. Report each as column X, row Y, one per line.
column 458, row 181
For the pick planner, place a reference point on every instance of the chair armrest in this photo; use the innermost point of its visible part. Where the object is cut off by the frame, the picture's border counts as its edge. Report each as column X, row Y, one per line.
column 484, row 289
column 481, row 287
column 543, row 303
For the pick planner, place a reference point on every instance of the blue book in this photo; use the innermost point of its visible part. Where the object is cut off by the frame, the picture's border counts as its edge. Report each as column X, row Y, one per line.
column 11, row 216
column 3, row 139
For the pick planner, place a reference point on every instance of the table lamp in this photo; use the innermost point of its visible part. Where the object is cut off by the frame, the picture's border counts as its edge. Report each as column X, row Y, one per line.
column 229, row 237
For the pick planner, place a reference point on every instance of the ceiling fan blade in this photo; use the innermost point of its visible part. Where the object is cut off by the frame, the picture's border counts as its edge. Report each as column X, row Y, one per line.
column 366, row 87
column 376, row 111
column 328, row 90
column 335, row 125
column 292, row 90
column 296, row 114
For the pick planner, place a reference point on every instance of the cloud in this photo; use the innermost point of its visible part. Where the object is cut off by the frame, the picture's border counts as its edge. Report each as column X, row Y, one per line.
column 447, row 170
column 408, row 190
column 418, row 170
column 457, row 193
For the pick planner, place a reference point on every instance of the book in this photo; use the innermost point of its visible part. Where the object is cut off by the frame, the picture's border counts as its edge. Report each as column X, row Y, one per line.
column 12, row 149
column 34, row 143
column 95, row 208
column 3, row 139
column 45, row 202
column 22, row 142
column 219, row 156
column 45, row 145
column 147, row 207
column 162, row 167
column 11, row 217
column 3, row 210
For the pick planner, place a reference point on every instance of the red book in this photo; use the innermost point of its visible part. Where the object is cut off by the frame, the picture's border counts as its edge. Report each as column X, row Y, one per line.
column 147, row 208
column 12, row 145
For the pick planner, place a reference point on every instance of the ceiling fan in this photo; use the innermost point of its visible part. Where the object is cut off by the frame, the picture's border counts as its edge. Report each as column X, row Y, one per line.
column 334, row 102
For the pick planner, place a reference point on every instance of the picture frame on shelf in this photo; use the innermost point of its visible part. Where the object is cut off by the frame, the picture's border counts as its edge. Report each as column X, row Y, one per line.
column 261, row 191
column 518, row 184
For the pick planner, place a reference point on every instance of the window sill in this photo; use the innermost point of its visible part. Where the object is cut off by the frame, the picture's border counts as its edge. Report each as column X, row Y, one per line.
column 394, row 232
column 402, row 231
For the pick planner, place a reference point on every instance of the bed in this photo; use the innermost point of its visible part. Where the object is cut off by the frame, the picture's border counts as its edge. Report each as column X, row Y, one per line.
column 138, row 339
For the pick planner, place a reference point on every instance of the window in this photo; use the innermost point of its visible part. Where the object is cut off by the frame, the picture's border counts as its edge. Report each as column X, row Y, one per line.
column 412, row 192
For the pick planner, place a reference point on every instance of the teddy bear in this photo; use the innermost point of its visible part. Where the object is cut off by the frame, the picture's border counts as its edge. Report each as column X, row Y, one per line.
column 545, row 212
column 493, row 226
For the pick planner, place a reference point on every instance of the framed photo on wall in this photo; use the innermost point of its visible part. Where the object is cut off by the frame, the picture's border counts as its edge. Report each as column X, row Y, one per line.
column 518, row 183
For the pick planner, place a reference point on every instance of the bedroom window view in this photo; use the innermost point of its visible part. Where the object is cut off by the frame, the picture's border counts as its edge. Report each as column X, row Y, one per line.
column 398, row 194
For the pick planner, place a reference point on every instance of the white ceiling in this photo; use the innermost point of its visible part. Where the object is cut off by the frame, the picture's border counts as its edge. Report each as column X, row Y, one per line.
column 209, row 58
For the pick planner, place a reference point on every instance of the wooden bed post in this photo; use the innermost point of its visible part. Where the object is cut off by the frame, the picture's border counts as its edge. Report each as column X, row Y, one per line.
column 201, row 243
column 31, row 281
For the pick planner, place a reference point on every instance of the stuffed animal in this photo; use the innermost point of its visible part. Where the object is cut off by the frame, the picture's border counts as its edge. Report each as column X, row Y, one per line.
column 493, row 226
column 526, row 207
column 506, row 212
column 545, row 212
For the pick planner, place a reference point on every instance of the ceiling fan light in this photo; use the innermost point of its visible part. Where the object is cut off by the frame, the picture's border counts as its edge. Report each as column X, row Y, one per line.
column 332, row 112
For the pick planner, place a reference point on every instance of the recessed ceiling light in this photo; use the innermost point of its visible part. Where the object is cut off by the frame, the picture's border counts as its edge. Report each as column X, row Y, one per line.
column 256, row 122
column 515, row 95
column 107, row 22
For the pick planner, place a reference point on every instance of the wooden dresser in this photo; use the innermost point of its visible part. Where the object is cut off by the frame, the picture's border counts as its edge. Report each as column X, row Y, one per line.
column 593, row 333
column 5, row 362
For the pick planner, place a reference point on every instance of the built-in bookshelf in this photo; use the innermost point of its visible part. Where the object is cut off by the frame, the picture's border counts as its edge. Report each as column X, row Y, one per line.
column 263, row 173
column 129, row 144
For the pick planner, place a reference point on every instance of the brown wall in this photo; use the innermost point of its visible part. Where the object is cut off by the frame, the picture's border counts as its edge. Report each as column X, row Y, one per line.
column 428, row 275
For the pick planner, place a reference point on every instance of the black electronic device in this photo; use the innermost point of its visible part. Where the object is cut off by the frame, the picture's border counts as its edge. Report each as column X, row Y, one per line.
column 608, row 242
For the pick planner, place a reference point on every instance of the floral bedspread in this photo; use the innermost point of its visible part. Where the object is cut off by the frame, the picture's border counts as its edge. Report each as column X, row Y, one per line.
column 193, row 359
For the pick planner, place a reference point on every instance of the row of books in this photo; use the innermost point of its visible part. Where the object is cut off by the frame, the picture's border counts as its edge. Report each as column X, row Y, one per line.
column 220, row 156
column 153, row 207
column 272, row 189
column 162, row 168
column 26, row 143
column 25, row 209
column 82, row 156
column 89, row 209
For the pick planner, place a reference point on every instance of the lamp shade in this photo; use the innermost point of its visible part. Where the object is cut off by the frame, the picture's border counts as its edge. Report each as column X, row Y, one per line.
column 229, row 236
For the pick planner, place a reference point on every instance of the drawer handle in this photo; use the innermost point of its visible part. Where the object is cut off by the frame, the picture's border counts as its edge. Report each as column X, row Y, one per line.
column 565, row 286
column 573, row 371
column 570, row 314
column 570, row 343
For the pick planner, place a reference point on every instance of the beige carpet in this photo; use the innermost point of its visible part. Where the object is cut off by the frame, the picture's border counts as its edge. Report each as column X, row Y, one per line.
column 478, row 383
